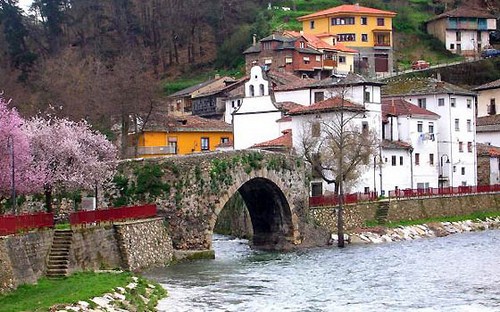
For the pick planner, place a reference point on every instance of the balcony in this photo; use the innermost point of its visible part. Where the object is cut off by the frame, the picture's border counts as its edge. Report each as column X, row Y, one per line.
column 330, row 63
column 152, row 150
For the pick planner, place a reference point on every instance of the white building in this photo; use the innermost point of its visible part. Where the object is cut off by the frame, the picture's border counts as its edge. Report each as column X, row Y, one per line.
column 464, row 30
column 410, row 148
column 455, row 132
column 321, row 106
column 488, row 114
column 254, row 121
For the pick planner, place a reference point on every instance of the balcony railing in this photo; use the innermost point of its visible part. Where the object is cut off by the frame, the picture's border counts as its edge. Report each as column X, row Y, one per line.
column 11, row 224
column 153, row 150
column 330, row 63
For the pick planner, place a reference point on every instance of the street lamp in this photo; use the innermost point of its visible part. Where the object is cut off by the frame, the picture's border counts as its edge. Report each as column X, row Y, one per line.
column 441, row 178
column 10, row 145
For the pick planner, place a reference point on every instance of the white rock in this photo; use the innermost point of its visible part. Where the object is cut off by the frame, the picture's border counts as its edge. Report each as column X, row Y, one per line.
column 131, row 286
column 118, row 296
column 120, row 289
column 83, row 304
column 101, row 301
column 151, row 286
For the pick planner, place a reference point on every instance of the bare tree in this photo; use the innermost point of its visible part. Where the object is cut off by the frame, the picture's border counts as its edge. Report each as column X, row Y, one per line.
column 339, row 147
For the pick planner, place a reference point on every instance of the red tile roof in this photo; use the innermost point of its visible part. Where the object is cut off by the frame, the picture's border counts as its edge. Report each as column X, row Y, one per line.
column 395, row 144
column 491, row 120
column 400, row 107
column 284, row 141
column 328, row 105
column 347, row 8
column 287, row 106
column 190, row 123
column 465, row 11
column 488, row 150
column 317, row 43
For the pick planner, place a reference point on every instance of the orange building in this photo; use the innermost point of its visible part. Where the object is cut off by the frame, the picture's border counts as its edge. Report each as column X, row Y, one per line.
column 171, row 135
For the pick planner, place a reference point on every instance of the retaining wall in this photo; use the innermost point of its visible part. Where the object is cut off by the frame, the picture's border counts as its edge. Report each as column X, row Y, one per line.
column 356, row 215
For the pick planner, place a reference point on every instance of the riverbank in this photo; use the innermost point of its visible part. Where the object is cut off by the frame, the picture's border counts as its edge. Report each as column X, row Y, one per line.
column 377, row 235
column 89, row 291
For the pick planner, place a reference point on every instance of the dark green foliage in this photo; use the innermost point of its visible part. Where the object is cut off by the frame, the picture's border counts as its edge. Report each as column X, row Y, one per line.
column 229, row 55
column 149, row 182
column 220, row 175
column 121, row 183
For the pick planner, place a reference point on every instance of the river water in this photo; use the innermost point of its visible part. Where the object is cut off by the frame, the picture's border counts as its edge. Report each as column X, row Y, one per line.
column 455, row 273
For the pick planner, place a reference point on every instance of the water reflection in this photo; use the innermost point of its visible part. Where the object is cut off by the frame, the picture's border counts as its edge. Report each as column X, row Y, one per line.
column 455, row 273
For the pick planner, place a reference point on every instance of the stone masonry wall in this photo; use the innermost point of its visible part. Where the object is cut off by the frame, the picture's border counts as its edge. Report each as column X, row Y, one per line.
column 94, row 248
column 23, row 258
column 144, row 244
column 355, row 216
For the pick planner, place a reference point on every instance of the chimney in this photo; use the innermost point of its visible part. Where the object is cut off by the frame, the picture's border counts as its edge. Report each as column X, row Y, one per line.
column 357, row 6
column 254, row 39
column 438, row 76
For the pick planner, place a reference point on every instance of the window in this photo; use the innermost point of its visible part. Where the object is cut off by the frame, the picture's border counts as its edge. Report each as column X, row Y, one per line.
column 492, row 110
column 261, row 89
column 311, row 25
column 288, row 60
column 441, row 102
column 224, row 140
column 315, row 129
column 393, row 160
column 364, row 21
column 342, row 59
column 318, row 58
column 463, row 170
column 367, row 96
column 431, row 159
column 400, row 160
column 302, row 45
column 380, row 21
column 364, row 37
column 316, row 188
column 469, row 103
column 420, row 126
column 205, row 144
column 453, row 101
column 343, row 21
column 458, row 36
column 346, row 37
column 459, row 47
column 319, row 96
column 422, row 103
column 431, row 127
column 417, row 159
column 469, row 147
column 172, row 143
column 461, row 147
column 266, row 46
column 306, row 59
column 469, row 125
column 454, row 168
column 452, row 46
column 457, row 125
column 364, row 127
column 252, row 90
column 367, row 189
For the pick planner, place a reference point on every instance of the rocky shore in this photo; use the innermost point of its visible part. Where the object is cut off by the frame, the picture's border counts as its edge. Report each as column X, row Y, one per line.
column 377, row 235
column 138, row 295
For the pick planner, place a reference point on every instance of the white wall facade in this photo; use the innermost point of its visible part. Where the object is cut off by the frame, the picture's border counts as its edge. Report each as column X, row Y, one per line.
column 255, row 120
column 489, row 137
column 301, row 96
column 395, row 175
column 458, row 145
column 484, row 100
column 494, row 170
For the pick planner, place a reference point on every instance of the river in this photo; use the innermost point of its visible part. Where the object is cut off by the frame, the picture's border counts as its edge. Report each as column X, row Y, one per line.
column 455, row 273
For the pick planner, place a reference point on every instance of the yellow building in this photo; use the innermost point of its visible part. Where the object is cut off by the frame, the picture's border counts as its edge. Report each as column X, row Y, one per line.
column 171, row 135
column 365, row 29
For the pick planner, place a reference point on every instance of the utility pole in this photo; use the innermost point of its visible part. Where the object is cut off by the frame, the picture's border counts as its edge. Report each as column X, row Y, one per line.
column 10, row 144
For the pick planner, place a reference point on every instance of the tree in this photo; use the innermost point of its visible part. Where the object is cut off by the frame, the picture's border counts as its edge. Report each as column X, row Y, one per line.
column 16, row 160
column 72, row 155
column 339, row 149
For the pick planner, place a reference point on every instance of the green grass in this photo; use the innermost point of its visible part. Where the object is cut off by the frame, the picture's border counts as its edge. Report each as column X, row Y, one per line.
column 474, row 216
column 48, row 292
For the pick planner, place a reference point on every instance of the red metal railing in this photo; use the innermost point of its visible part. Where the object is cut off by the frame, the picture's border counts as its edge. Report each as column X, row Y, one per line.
column 11, row 224
column 332, row 200
column 113, row 214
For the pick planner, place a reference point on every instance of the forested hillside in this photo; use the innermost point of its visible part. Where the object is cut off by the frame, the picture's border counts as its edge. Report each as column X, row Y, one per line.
column 99, row 59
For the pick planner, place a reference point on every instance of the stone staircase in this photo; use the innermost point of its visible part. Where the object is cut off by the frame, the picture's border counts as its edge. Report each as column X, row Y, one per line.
column 58, row 261
column 382, row 212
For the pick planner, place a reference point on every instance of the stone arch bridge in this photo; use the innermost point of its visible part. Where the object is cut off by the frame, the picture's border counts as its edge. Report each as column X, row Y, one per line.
column 191, row 191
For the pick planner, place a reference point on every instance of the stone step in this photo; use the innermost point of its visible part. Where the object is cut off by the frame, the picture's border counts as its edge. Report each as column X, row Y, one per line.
column 58, row 261
column 51, row 268
column 59, row 273
column 61, row 244
column 64, row 254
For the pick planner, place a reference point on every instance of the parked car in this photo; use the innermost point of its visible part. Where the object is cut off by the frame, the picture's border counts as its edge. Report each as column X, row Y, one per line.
column 420, row 64
column 490, row 53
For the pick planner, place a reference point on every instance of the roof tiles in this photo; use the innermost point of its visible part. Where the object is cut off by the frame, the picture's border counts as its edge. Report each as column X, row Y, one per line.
column 347, row 8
